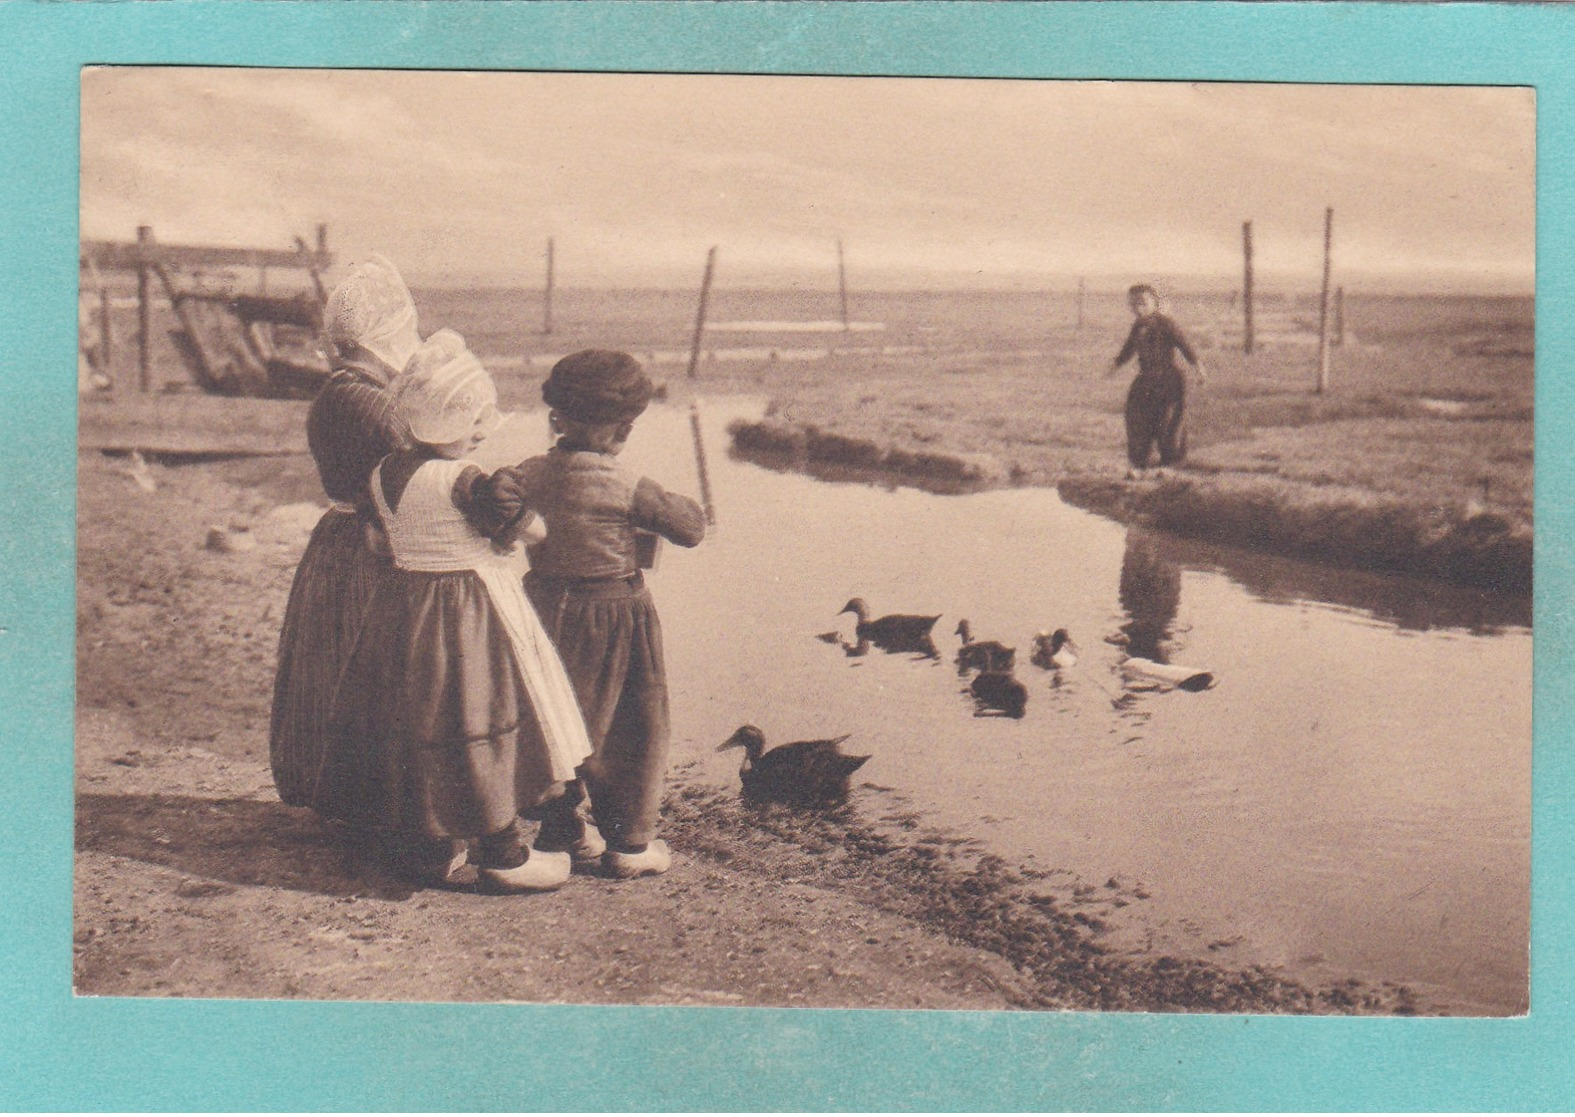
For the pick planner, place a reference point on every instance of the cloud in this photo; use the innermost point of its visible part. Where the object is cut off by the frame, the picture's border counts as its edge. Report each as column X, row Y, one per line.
column 468, row 174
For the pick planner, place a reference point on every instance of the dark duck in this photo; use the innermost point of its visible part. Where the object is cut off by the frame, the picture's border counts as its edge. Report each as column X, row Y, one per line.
column 801, row 774
column 1054, row 650
column 982, row 655
column 898, row 632
column 998, row 694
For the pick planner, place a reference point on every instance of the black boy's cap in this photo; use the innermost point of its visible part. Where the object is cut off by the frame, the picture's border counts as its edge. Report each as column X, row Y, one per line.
column 598, row 386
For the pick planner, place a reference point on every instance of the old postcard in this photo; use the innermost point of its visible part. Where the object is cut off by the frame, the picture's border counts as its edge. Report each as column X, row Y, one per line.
column 559, row 530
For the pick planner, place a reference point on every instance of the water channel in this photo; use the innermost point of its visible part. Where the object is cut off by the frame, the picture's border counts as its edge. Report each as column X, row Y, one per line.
column 1351, row 800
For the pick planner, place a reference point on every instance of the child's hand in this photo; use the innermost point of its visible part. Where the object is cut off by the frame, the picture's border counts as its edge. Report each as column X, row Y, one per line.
column 1200, row 373
column 532, row 530
column 502, row 489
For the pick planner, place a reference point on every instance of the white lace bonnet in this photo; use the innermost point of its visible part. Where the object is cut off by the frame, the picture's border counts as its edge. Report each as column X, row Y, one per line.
column 372, row 308
column 444, row 390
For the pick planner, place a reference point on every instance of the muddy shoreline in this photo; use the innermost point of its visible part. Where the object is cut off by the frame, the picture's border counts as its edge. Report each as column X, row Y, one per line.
column 1460, row 544
column 193, row 880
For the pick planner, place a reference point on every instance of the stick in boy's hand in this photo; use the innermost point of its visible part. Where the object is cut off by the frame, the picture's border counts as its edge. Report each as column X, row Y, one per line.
column 700, row 463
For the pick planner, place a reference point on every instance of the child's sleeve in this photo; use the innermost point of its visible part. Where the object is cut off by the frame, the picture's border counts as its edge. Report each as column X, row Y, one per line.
column 1131, row 346
column 1179, row 340
column 493, row 505
column 673, row 517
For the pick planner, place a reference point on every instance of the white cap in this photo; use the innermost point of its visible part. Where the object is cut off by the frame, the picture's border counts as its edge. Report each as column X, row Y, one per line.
column 444, row 391
column 372, row 308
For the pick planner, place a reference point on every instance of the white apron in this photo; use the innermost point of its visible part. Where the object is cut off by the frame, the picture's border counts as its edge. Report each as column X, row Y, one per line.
column 430, row 535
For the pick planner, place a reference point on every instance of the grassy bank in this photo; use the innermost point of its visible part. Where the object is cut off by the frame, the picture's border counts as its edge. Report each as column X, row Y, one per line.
column 1417, row 460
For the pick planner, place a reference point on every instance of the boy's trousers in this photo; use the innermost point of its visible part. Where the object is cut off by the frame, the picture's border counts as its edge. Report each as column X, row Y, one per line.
column 610, row 640
column 1156, row 413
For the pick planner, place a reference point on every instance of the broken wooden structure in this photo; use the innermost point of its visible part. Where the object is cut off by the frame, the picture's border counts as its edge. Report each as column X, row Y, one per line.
column 233, row 343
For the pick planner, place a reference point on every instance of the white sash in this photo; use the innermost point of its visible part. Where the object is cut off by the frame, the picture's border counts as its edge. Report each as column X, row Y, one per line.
column 537, row 664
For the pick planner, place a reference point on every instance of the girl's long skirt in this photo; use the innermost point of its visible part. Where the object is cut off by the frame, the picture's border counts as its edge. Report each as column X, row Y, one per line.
column 334, row 582
column 433, row 732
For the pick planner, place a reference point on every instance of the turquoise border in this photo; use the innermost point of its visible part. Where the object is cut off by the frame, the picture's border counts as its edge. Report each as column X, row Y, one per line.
column 57, row 1053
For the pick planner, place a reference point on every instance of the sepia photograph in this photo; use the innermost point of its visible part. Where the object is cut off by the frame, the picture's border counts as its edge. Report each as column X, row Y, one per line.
column 681, row 539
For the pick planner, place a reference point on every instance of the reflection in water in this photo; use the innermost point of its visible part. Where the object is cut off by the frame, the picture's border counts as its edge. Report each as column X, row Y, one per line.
column 850, row 472
column 1300, row 810
column 998, row 694
column 1150, row 592
column 1416, row 604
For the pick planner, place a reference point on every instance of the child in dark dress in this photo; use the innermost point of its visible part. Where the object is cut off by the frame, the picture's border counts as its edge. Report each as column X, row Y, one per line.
column 370, row 324
column 454, row 711
column 1157, row 401
column 586, row 584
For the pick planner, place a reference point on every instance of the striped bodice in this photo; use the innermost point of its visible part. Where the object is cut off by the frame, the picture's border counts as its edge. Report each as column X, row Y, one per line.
column 350, row 426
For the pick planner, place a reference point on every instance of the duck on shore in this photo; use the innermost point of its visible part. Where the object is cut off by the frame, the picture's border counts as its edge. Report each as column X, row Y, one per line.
column 1054, row 651
column 898, row 632
column 982, row 655
column 801, row 774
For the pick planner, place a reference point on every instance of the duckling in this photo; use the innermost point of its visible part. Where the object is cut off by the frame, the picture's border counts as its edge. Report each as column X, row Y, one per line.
column 982, row 655
column 801, row 774
column 1054, row 651
column 898, row 632
column 998, row 693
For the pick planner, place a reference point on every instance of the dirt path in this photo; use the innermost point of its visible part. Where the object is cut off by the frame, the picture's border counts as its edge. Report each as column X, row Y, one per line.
column 194, row 880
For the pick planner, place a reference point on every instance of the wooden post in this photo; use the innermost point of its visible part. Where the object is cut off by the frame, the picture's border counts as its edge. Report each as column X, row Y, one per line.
column 312, row 270
column 1081, row 292
column 705, row 294
column 1246, row 287
column 1339, row 315
column 546, row 312
column 106, row 332
column 1323, row 303
column 842, row 284
column 144, row 315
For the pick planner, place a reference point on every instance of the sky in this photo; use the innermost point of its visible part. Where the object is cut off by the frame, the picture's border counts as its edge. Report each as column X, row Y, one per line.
column 461, row 178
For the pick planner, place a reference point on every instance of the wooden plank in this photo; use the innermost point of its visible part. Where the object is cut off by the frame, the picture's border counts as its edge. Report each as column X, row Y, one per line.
column 129, row 257
column 192, row 424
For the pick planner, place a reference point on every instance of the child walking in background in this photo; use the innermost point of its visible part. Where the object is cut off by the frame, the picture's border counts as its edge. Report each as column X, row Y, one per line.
column 1157, row 401
column 586, row 584
column 454, row 711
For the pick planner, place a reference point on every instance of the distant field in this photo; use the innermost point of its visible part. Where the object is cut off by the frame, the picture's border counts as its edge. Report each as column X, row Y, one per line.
column 1430, row 397
column 1430, row 401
